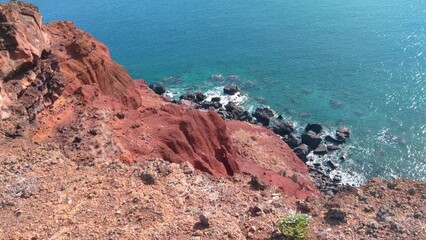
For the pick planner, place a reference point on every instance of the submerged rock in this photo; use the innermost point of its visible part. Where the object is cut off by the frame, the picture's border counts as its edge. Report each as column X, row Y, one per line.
column 217, row 77
column 233, row 78
column 336, row 103
column 304, row 114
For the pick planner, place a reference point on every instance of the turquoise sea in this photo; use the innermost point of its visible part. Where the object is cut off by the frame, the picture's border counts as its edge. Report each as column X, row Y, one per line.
column 359, row 63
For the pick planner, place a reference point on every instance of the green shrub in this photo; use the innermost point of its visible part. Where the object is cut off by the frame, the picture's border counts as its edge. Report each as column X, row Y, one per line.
column 294, row 226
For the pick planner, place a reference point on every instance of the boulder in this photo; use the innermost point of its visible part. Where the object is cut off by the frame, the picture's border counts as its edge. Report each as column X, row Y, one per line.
column 231, row 89
column 335, row 216
column 211, row 105
column 311, row 139
column 188, row 96
column 225, row 114
column 330, row 139
column 257, row 184
column 331, row 165
column 215, row 99
column 282, row 127
column 157, row 88
column 316, row 128
column 233, row 108
column 321, row 150
column 302, row 151
column 292, row 140
column 343, row 132
column 199, row 97
column 332, row 148
column 263, row 115
column 245, row 117
column 147, row 178
column 204, row 220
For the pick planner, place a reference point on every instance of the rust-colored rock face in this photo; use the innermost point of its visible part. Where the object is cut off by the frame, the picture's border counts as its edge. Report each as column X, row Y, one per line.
column 22, row 38
column 85, row 61
column 189, row 135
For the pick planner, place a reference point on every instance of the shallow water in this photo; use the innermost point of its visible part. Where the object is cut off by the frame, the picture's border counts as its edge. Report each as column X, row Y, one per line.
column 359, row 63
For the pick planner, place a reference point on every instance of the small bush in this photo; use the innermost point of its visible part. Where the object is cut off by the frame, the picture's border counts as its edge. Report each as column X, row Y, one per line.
column 294, row 226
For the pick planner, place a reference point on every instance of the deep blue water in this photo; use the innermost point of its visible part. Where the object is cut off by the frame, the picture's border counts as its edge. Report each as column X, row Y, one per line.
column 366, row 55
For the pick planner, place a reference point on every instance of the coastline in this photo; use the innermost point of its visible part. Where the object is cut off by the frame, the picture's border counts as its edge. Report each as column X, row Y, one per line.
column 323, row 165
column 88, row 153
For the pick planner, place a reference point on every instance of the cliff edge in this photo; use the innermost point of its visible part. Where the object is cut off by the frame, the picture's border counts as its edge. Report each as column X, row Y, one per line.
column 87, row 152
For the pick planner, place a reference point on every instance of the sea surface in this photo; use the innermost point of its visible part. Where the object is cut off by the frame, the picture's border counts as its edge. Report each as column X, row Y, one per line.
column 358, row 63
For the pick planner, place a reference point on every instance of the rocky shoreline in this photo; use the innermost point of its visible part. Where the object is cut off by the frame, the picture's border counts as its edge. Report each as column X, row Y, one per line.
column 88, row 153
column 312, row 140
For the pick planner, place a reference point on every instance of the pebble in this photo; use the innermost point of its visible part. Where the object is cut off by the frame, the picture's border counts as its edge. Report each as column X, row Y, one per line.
column 412, row 191
column 205, row 220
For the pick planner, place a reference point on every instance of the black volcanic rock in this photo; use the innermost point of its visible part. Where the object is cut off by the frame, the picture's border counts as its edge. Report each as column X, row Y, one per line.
column 215, row 99
column 231, row 89
column 330, row 139
column 199, row 97
column 292, row 140
column 245, row 117
column 343, row 133
column 188, row 96
column 302, row 151
column 316, row 128
column 263, row 115
column 233, row 110
column 311, row 139
column 281, row 127
column 211, row 105
column 157, row 88
column 321, row 150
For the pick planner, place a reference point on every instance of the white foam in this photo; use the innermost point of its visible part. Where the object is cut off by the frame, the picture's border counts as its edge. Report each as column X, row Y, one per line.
column 348, row 177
